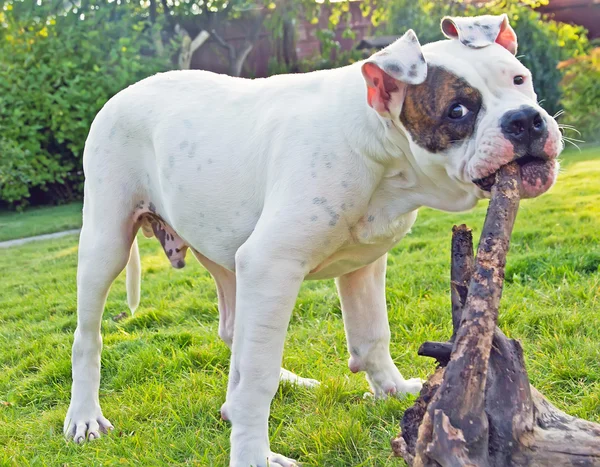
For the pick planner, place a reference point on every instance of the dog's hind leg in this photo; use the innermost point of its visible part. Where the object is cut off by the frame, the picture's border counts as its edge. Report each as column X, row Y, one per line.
column 104, row 249
column 362, row 294
column 225, row 281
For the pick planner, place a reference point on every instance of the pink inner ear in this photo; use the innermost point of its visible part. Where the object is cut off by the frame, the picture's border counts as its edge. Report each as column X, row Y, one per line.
column 507, row 39
column 379, row 87
column 450, row 29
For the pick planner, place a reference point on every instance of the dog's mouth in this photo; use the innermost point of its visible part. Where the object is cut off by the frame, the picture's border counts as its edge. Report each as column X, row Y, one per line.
column 537, row 174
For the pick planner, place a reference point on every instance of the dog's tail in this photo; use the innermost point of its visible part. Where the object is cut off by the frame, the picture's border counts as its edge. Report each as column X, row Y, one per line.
column 134, row 277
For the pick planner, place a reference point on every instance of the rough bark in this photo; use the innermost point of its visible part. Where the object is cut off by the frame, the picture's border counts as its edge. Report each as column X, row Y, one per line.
column 478, row 409
column 461, row 270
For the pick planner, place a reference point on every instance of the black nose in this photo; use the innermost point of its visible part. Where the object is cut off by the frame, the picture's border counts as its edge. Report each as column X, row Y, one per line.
column 523, row 126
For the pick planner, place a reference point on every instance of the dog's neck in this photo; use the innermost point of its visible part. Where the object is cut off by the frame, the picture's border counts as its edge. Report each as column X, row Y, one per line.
column 405, row 183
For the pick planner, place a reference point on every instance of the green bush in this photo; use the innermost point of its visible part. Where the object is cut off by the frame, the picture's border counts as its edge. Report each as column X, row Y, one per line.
column 55, row 75
column 542, row 43
column 581, row 98
column 16, row 171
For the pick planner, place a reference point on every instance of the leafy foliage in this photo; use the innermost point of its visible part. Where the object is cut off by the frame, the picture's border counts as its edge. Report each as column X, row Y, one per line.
column 56, row 72
column 581, row 99
column 17, row 171
column 60, row 63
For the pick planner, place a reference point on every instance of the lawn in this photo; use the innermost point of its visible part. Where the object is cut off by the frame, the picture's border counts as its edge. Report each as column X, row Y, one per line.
column 38, row 221
column 165, row 370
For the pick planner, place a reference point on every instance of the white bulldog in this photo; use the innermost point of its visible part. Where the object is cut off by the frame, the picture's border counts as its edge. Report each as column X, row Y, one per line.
column 270, row 182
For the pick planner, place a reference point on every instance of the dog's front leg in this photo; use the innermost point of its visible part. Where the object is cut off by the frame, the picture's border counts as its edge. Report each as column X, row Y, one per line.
column 268, row 280
column 362, row 294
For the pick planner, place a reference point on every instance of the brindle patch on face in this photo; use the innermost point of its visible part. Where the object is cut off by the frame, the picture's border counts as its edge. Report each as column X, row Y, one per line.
column 425, row 110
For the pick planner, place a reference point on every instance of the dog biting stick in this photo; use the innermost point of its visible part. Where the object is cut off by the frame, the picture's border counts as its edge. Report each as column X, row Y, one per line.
column 478, row 408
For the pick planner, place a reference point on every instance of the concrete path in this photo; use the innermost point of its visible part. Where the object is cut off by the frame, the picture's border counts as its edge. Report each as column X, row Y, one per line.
column 22, row 241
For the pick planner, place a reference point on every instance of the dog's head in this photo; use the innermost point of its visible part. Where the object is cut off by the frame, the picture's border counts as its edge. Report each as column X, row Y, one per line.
column 466, row 104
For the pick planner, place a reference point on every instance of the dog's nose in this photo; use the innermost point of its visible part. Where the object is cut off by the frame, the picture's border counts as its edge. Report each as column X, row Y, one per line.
column 523, row 126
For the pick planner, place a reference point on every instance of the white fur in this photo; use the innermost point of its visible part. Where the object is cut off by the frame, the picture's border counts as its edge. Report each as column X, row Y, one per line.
column 270, row 182
column 134, row 277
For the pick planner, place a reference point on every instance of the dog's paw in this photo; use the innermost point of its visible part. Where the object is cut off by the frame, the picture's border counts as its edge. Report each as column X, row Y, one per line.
column 286, row 376
column 272, row 460
column 277, row 460
column 250, row 448
column 81, row 427
column 389, row 382
column 412, row 386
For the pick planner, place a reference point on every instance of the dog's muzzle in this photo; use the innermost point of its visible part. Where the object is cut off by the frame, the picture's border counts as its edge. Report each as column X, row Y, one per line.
column 526, row 129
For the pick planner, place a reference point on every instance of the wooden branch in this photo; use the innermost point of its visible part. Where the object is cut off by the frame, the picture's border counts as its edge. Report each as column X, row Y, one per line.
column 461, row 270
column 462, row 393
column 220, row 40
column 441, row 351
column 238, row 63
column 199, row 41
column 480, row 410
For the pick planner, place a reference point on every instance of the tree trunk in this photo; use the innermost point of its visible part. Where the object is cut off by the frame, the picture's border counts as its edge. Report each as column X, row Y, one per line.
column 288, row 44
column 189, row 46
column 237, row 61
column 237, row 58
column 478, row 408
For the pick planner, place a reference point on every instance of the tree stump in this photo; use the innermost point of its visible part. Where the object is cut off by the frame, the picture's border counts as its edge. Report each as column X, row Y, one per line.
column 478, row 408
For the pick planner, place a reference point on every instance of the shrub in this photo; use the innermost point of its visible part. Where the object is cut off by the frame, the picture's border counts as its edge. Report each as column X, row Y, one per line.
column 581, row 95
column 16, row 171
column 55, row 75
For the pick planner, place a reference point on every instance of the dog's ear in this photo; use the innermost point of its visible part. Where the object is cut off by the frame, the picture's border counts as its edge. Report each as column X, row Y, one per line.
column 481, row 31
column 389, row 71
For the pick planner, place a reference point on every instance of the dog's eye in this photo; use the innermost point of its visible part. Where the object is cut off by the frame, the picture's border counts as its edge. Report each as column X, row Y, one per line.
column 518, row 80
column 457, row 111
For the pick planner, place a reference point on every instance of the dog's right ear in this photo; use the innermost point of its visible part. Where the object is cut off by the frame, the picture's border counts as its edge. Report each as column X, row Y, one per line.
column 389, row 71
column 480, row 31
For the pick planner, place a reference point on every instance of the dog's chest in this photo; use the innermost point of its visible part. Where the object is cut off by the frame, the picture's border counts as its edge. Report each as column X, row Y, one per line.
column 372, row 236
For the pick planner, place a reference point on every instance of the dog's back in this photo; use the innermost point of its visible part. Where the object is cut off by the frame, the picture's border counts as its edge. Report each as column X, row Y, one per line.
column 194, row 135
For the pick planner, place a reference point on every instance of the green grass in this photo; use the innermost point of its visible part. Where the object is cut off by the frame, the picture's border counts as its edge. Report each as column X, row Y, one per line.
column 38, row 221
column 165, row 370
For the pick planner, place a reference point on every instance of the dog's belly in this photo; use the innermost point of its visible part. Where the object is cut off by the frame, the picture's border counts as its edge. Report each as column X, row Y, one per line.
column 364, row 245
column 215, row 233
column 349, row 259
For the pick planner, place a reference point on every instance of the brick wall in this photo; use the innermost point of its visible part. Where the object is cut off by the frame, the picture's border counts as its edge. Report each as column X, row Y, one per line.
column 583, row 12
column 214, row 58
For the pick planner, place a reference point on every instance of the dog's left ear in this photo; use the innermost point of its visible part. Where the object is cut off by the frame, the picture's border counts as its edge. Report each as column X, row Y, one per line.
column 481, row 31
column 389, row 71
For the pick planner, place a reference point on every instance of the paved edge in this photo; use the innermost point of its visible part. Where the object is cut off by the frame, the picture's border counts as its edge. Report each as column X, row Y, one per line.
column 22, row 241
